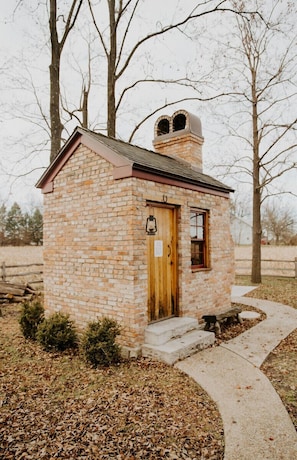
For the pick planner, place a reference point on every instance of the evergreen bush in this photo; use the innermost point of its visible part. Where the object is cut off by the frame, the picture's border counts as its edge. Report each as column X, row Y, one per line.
column 32, row 315
column 57, row 333
column 98, row 345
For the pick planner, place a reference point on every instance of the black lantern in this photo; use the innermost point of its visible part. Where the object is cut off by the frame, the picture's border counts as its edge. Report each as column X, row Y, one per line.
column 151, row 225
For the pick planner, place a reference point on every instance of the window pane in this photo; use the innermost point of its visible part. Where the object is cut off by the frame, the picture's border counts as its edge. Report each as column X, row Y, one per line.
column 193, row 230
column 198, row 238
column 197, row 253
column 200, row 233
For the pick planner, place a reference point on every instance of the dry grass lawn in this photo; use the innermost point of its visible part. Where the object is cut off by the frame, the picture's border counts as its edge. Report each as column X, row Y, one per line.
column 276, row 260
column 14, row 255
column 22, row 255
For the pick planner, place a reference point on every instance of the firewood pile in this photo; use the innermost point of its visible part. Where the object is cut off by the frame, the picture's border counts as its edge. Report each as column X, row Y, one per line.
column 12, row 292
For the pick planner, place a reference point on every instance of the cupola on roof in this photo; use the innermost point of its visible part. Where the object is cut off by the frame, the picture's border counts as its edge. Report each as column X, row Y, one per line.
column 180, row 136
column 180, row 122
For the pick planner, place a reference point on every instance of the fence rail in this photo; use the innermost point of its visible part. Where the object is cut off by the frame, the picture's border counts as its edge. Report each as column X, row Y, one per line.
column 242, row 267
column 268, row 267
column 9, row 271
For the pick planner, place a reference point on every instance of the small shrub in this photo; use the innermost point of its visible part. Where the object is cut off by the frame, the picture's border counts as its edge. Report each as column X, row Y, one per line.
column 98, row 344
column 57, row 333
column 32, row 314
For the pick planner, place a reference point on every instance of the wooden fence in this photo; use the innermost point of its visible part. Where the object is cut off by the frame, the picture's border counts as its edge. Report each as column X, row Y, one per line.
column 269, row 267
column 9, row 272
column 242, row 267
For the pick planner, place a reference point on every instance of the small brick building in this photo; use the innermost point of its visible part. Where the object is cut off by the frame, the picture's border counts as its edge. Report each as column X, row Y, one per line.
column 134, row 234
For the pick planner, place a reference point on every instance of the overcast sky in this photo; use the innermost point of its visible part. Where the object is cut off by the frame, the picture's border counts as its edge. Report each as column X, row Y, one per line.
column 14, row 39
column 16, row 32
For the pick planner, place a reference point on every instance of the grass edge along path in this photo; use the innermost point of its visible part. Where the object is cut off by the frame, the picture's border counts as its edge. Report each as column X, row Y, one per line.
column 281, row 365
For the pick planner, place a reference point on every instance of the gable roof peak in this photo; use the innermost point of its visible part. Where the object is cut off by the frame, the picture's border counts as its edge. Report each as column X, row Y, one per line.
column 130, row 160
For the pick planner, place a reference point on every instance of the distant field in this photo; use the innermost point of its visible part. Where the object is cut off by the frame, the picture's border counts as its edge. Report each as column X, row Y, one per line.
column 268, row 252
column 13, row 255
column 21, row 255
column 278, row 257
column 29, row 254
column 34, row 254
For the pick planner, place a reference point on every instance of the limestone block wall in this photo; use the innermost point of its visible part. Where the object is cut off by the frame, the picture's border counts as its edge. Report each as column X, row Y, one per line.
column 95, row 247
column 90, row 266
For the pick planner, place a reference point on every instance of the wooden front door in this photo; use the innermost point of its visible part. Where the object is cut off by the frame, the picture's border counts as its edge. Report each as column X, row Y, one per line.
column 162, row 264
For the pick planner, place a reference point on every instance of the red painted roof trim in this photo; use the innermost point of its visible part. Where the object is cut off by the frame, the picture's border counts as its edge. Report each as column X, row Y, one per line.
column 46, row 180
column 177, row 183
column 78, row 138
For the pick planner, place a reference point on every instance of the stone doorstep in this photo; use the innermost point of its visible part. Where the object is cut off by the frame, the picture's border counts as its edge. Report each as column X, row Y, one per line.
column 163, row 331
column 179, row 348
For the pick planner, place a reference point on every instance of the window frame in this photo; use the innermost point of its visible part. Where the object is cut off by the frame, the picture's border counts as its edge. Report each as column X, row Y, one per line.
column 202, row 242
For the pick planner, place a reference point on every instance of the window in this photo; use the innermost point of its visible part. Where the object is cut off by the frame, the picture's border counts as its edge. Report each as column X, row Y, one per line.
column 199, row 239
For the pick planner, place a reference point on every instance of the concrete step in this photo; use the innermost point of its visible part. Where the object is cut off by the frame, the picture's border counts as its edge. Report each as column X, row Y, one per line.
column 159, row 333
column 179, row 348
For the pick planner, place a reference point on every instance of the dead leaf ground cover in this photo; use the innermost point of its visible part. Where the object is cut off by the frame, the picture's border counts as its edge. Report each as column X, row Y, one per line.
column 281, row 365
column 55, row 406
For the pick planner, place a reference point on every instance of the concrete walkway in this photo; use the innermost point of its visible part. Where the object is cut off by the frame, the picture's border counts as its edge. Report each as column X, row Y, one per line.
column 256, row 424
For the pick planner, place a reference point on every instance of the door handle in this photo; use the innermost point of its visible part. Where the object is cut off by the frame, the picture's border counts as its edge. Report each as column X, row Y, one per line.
column 169, row 250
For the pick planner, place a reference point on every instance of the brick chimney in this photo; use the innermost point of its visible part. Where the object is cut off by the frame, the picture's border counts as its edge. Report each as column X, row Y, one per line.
column 180, row 136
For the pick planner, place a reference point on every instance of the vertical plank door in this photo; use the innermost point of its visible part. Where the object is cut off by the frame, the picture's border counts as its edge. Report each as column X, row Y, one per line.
column 162, row 264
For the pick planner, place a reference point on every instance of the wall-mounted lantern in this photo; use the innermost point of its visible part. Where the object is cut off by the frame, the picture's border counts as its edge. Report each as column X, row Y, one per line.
column 151, row 225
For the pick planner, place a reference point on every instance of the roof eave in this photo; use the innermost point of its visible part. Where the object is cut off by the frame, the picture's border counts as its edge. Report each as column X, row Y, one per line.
column 123, row 167
column 55, row 165
column 182, row 179
column 80, row 136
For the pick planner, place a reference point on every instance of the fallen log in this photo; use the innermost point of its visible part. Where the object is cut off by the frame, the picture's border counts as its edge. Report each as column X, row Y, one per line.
column 12, row 292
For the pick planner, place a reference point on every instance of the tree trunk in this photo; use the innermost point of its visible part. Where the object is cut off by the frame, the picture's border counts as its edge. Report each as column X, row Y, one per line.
column 257, row 234
column 111, row 74
column 55, row 119
column 257, row 230
column 56, row 51
column 85, row 112
column 56, row 126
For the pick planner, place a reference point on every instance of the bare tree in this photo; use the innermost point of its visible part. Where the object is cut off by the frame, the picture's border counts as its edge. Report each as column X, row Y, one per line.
column 240, row 207
column 57, row 45
column 80, row 112
column 127, row 38
column 120, row 50
column 261, row 62
column 278, row 223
